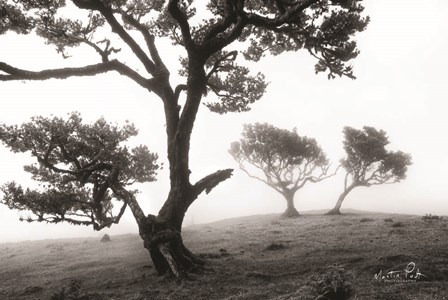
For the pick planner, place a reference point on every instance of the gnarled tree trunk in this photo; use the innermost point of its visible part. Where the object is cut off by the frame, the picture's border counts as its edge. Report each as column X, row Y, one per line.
column 162, row 233
column 167, row 250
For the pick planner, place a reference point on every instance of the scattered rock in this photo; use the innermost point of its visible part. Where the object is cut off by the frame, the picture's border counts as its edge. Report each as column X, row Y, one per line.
column 209, row 255
column 73, row 291
column 430, row 217
column 105, row 238
column 32, row 289
column 397, row 231
column 222, row 253
column 259, row 275
column 275, row 246
column 364, row 220
column 147, row 267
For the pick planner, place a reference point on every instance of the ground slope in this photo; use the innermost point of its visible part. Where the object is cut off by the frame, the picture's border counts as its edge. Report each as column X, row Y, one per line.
column 257, row 257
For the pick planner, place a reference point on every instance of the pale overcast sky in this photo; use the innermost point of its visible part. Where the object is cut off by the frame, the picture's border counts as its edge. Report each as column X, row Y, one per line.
column 401, row 88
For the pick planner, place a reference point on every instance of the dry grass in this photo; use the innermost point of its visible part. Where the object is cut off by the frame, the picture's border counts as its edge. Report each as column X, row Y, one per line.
column 319, row 255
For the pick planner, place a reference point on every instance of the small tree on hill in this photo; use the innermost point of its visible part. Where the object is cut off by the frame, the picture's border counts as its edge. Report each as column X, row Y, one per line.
column 82, row 170
column 281, row 159
column 368, row 162
column 207, row 33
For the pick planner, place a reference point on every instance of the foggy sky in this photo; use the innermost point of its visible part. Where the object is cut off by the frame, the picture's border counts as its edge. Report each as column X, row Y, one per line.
column 401, row 87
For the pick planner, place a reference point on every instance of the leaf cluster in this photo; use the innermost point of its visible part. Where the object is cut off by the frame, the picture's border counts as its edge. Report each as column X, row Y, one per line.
column 324, row 28
column 233, row 84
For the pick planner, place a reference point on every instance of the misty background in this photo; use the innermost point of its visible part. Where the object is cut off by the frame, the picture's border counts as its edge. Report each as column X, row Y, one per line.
column 401, row 87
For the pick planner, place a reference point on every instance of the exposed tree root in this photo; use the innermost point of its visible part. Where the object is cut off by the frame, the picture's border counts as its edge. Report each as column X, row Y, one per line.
column 170, row 256
column 176, row 268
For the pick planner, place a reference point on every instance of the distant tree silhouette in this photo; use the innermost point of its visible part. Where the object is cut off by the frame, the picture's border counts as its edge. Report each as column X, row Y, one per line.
column 368, row 162
column 281, row 159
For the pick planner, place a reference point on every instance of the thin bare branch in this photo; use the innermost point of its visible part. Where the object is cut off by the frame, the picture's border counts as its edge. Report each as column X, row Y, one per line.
column 149, row 39
column 242, row 168
column 114, row 220
column 127, row 38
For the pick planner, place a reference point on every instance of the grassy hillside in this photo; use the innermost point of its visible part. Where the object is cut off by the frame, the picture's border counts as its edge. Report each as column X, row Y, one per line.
column 257, row 257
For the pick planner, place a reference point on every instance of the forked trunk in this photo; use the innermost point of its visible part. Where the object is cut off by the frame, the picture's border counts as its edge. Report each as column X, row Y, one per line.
column 162, row 234
column 290, row 211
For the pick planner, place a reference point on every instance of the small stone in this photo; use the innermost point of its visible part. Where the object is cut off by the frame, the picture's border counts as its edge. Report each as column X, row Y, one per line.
column 32, row 289
column 105, row 238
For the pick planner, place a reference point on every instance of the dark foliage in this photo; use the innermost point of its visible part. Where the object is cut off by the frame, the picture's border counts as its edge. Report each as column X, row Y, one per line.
column 80, row 169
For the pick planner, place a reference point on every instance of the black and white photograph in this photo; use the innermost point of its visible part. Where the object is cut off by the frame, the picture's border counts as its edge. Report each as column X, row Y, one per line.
column 223, row 149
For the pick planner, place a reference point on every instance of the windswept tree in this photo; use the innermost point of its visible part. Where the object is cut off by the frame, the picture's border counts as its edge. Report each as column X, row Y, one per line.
column 281, row 159
column 211, row 34
column 368, row 162
column 82, row 170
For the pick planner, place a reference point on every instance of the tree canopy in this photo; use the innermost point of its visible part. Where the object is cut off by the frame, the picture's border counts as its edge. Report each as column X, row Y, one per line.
column 82, row 169
column 368, row 162
column 280, row 158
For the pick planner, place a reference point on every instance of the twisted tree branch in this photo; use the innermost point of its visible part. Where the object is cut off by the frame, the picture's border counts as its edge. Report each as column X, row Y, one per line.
column 13, row 73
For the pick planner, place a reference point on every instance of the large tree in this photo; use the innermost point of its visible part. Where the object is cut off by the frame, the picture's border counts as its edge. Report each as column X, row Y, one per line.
column 205, row 31
column 281, row 159
column 368, row 162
